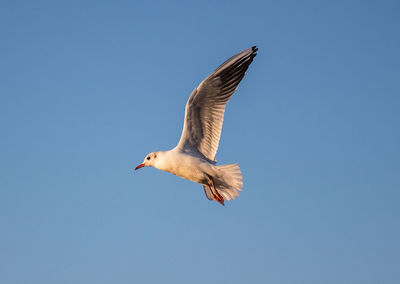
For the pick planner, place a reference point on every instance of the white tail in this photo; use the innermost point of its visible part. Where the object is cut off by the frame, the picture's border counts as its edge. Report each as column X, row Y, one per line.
column 228, row 181
column 230, row 175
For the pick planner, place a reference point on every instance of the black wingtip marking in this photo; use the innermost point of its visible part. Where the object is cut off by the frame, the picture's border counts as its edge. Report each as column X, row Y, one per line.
column 254, row 51
column 233, row 74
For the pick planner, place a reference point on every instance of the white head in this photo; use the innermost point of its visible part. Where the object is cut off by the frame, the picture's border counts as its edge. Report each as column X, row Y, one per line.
column 149, row 160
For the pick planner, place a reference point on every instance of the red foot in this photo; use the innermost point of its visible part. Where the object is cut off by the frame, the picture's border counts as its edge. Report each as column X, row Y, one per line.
column 219, row 198
column 215, row 193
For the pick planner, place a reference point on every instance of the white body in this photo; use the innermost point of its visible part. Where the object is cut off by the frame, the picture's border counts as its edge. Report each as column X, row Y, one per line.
column 184, row 165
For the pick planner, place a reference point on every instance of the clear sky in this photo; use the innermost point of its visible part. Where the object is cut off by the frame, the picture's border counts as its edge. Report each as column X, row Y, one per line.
column 88, row 88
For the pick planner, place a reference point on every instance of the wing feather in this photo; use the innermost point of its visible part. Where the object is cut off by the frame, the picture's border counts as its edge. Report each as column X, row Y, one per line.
column 204, row 114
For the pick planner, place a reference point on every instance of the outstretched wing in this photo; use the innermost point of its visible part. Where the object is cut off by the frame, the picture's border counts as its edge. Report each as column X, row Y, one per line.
column 205, row 108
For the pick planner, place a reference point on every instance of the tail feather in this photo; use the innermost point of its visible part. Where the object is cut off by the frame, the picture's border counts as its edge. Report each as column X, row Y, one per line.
column 228, row 181
column 227, row 193
column 230, row 176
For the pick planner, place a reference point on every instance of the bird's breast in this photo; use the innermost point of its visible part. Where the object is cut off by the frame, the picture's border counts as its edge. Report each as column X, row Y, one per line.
column 186, row 167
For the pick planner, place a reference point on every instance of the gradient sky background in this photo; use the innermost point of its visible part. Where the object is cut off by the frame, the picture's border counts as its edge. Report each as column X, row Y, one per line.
column 88, row 88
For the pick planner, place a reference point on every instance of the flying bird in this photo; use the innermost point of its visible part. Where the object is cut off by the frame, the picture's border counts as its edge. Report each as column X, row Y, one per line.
column 194, row 156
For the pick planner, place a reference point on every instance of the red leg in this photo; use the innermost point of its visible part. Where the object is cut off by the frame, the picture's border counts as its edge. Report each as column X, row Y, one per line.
column 215, row 193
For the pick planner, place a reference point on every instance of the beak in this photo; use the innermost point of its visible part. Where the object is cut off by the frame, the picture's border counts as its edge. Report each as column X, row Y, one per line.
column 140, row 166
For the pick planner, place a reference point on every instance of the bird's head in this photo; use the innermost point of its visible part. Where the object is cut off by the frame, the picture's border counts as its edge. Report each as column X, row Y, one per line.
column 148, row 161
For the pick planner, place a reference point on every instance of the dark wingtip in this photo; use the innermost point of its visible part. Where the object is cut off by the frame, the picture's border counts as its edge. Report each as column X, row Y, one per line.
column 253, row 53
column 254, row 50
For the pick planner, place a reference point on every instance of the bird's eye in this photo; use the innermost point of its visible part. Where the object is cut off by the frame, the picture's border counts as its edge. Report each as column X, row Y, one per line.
column 148, row 158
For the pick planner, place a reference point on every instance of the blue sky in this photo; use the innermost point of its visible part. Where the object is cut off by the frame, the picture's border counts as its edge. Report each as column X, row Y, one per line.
column 88, row 88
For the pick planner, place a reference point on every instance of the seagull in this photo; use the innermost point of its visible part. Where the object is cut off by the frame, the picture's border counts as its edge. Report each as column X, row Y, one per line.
column 194, row 156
